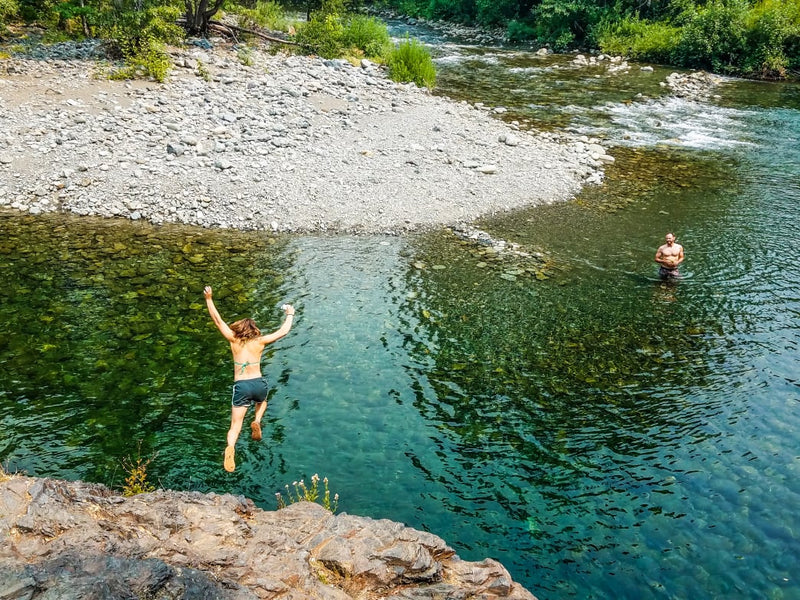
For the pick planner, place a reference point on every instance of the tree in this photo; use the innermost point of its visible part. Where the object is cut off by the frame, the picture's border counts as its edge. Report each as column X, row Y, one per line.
column 198, row 14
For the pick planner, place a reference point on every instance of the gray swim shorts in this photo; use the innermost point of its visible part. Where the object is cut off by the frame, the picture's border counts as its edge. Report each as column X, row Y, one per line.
column 249, row 391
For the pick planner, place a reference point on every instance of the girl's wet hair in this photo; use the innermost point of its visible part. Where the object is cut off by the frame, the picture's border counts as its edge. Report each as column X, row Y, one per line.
column 245, row 329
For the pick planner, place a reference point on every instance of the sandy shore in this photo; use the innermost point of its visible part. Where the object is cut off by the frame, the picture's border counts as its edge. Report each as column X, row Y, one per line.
column 284, row 143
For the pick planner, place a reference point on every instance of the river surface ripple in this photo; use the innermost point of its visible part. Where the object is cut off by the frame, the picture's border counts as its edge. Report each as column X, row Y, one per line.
column 599, row 431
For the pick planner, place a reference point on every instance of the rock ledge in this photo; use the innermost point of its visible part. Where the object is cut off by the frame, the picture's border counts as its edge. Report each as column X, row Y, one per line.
column 77, row 540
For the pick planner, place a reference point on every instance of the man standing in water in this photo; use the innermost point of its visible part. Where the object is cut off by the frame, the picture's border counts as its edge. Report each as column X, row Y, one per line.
column 249, row 386
column 669, row 256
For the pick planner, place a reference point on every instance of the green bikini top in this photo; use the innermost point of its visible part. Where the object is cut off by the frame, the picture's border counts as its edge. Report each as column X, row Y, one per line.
column 244, row 365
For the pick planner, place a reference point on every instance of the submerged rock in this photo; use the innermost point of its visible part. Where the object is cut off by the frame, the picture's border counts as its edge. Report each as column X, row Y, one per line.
column 78, row 540
column 511, row 258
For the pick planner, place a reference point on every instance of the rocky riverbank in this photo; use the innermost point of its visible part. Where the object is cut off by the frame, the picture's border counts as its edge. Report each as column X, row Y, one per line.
column 73, row 540
column 252, row 140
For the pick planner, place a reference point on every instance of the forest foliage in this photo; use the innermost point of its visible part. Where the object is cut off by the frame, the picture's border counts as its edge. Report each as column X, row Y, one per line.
column 754, row 38
column 137, row 31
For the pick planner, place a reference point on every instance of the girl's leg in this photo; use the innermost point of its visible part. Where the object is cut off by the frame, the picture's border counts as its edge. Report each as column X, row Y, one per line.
column 255, row 426
column 237, row 417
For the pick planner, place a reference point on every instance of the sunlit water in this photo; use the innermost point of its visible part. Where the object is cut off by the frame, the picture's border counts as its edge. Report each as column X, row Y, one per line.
column 600, row 432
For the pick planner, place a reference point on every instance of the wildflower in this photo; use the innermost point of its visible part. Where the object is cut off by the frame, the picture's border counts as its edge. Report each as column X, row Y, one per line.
column 305, row 493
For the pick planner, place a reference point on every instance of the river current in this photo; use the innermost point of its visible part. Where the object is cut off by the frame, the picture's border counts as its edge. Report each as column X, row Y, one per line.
column 602, row 433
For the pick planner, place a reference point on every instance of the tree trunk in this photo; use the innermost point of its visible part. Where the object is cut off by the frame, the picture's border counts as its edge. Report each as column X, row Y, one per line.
column 84, row 23
column 198, row 14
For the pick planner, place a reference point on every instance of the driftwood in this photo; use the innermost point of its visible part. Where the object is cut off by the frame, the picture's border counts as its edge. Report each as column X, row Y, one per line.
column 223, row 29
column 263, row 36
column 229, row 29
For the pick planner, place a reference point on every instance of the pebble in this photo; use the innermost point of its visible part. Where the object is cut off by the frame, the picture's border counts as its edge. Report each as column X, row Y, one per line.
column 287, row 143
column 697, row 85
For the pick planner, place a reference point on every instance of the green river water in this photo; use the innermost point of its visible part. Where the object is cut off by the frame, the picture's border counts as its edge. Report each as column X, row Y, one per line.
column 602, row 433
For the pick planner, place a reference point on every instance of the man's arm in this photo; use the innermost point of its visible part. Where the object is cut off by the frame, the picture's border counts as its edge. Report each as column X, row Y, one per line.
column 680, row 257
column 284, row 328
column 226, row 331
column 659, row 256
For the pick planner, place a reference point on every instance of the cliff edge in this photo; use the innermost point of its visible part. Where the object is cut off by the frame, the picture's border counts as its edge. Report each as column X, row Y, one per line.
column 78, row 540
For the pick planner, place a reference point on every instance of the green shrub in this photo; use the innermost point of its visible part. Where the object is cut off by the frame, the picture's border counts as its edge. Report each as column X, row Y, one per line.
column 714, row 37
column 150, row 61
column 56, row 36
column 332, row 36
column 202, row 71
column 639, row 39
column 410, row 61
column 451, row 10
column 496, row 12
column 773, row 27
column 334, row 7
column 793, row 53
column 73, row 16
column 269, row 15
column 323, row 35
column 140, row 37
column 367, row 34
column 563, row 41
column 520, row 31
column 413, row 8
column 9, row 10
column 245, row 55
column 566, row 23
column 41, row 11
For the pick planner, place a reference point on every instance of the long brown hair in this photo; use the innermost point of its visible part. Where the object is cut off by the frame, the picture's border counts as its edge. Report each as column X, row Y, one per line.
column 245, row 329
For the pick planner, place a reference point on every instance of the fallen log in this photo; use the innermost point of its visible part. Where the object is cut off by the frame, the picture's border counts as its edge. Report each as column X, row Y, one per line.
column 229, row 29
column 263, row 36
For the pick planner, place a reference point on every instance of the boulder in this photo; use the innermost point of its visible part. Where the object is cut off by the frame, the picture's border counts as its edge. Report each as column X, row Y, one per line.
column 72, row 540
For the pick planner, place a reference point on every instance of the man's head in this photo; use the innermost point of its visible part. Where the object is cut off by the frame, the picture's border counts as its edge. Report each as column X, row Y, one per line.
column 670, row 239
column 245, row 329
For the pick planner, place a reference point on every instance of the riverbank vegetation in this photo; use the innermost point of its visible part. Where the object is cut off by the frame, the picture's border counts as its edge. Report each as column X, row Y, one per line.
column 137, row 31
column 752, row 38
column 136, row 481
column 304, row 493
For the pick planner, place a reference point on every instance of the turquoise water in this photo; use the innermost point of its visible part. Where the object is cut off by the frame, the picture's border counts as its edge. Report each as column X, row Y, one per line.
column 600, row 432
